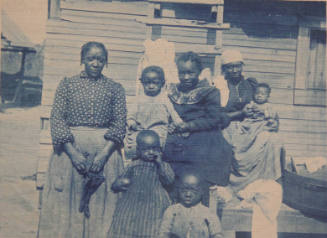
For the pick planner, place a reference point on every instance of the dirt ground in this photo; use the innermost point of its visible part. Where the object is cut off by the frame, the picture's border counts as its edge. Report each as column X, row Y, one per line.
column 19, row 146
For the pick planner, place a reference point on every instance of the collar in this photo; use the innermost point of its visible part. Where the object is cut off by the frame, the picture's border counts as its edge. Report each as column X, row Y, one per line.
column 84, row 75
column 194, row 96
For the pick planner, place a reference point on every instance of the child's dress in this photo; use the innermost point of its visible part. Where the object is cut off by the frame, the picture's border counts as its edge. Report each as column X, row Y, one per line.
column 261, row 120
column 193, row 222
column 139, row 211
column 151, row 113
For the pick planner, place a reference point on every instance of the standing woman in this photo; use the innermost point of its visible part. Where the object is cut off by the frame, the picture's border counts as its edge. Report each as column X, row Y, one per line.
column 197, row 142
column 88, row 122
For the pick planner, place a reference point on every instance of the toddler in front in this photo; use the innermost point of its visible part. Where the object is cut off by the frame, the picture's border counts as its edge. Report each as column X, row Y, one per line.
column 189, row 218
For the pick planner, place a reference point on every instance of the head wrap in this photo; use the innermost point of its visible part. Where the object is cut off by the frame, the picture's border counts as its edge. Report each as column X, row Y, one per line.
column 231, row 56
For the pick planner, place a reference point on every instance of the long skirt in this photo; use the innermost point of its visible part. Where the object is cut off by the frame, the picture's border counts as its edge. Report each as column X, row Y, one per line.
column 60, row 216
column 256, row 154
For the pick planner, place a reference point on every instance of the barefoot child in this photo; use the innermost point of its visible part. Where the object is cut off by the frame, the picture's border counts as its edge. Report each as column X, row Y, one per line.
column 143, row 200
column 154, row 110
column 189, row 218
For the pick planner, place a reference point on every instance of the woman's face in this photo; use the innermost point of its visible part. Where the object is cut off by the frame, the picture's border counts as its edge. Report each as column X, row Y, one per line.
column 233, row 70
column 188, row 73
column 152, row 83
column 94, row 61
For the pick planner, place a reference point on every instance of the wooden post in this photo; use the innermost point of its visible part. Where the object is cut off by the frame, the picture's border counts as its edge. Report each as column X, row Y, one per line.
column 219, row 37
column 53, row 9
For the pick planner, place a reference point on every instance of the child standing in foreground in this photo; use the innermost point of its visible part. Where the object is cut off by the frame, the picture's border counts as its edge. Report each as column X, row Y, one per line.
column 189, row 218
column 154, row 110
column 144, row 199
column 263, row 116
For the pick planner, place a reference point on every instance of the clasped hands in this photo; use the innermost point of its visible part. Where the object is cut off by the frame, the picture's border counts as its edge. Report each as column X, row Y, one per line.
column 80, row 163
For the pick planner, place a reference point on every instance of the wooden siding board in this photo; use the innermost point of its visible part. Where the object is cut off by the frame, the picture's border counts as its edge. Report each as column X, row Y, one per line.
column 132, row 8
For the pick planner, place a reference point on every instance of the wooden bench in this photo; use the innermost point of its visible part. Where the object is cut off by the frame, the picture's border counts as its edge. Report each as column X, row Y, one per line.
column 289, row 220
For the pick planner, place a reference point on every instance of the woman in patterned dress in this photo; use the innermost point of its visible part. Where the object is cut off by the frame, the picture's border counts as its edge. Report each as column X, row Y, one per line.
column 88, row 122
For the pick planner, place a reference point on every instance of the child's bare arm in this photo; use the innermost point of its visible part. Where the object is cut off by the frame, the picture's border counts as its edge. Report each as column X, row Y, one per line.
column 166, row 174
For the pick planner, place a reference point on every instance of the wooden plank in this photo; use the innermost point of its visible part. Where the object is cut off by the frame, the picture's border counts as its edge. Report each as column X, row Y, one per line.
column 301, row 138
column 259, row 17
column 132, row 8
column 305, row 150
column 310, row 97
column 205, row 2
column 301, row 112
column 289, row 220
column 182, row 23
column 304, row 126
column 122, row 34
column 275, row 80
column 284, row 43
column 227, row 41
column 109, row 26
column 54, row 9
column 73, row 41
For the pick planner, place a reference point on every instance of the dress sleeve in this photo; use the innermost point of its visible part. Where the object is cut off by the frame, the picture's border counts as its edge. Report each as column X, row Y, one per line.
column 60, row 131
column 166, row 174
column 167, row 223
column 216, row 117
column 117, row 128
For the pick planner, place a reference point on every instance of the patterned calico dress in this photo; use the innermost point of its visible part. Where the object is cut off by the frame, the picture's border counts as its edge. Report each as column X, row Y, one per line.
column 140, row 209
column 256, row 152
column 86, row 112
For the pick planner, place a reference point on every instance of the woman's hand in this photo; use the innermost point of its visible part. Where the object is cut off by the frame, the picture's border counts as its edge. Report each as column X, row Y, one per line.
column 101, row 158
column 78, row 160
column 98, row 164
column 247, row 111
column 171, row 128
column 133, row 125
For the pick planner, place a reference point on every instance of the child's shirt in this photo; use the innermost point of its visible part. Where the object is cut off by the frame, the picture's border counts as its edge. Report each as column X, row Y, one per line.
column 197, row 221
column 265, row 111
column 153, row 111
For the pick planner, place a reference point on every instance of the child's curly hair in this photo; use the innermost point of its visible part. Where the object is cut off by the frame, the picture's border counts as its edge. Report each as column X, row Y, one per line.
column 263, row 85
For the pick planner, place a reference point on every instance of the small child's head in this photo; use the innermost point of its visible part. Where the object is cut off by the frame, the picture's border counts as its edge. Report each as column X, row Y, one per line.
column 190, row 191
column 148, row 145
column 152, row 79
column 261, row 93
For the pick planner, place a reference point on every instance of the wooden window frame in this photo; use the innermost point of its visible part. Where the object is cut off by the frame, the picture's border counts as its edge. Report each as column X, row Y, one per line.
column 301, row 95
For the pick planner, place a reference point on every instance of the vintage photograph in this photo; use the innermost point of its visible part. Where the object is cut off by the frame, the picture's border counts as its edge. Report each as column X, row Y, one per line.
column 163, row 119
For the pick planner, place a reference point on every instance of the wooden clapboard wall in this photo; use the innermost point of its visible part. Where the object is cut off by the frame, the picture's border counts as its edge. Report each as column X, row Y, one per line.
column 266, row 36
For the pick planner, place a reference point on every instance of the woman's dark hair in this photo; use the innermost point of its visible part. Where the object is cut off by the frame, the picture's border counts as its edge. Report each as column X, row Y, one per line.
column 156, row 69
column 190, row 56
column 263, row 85
column 87, row 46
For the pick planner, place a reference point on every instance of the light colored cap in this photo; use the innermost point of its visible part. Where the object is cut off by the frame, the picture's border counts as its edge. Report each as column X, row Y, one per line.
column 231, row 56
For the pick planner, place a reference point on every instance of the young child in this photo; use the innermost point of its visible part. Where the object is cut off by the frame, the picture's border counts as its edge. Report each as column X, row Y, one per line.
column 154, row 110
column 144, row 199
column 189, row 218
column 262, row 112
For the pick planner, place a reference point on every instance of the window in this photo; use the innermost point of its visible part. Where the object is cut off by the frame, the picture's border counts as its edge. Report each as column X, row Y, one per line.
column 310, row 78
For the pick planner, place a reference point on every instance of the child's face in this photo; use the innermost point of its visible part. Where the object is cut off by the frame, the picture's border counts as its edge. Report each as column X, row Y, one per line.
column 261, row 95
column 188, row 74
column 190, row 191
column 152, row 84
column 149, row 149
